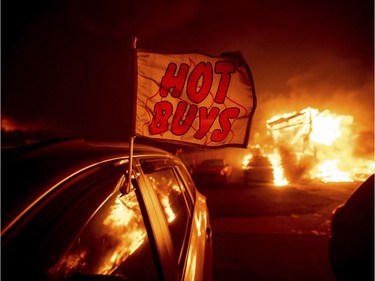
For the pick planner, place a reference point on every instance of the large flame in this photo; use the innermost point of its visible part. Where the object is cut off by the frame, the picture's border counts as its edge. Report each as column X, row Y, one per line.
column 313, row 144
column 279, row 178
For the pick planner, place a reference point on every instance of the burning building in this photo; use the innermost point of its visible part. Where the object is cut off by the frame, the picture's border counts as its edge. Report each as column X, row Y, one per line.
column 313, row 144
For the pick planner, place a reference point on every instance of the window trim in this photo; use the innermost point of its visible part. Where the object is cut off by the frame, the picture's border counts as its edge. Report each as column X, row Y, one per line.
column 174, row 166
column 156, row 221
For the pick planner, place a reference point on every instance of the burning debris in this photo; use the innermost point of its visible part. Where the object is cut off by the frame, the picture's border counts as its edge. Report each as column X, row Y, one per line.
column 312, row 144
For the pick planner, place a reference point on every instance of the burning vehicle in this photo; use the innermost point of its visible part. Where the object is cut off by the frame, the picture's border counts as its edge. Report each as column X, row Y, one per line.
column 258, row 167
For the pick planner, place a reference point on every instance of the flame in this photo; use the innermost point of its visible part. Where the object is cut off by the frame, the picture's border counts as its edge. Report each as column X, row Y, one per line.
column 317, row 145
column 246, row 160
column 329, row 171
column 278, row 170
column 326, row 127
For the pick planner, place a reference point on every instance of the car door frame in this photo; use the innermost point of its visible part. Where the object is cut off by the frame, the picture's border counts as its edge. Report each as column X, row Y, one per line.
column 199, row 224
column 155, row 220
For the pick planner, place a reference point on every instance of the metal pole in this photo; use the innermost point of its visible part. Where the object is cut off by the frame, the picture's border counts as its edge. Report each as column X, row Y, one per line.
column 133, row 114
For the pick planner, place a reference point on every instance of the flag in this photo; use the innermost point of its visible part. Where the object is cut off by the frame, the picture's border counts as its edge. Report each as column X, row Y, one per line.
column 194, row 98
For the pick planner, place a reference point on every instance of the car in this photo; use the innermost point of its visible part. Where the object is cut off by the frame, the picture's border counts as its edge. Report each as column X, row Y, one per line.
column 71, row 210
column 259, row 169
column 351, row 241
column 215, row 170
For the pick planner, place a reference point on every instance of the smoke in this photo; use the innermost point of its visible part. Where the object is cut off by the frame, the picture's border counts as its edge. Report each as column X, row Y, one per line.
column 343, row 86
column 364, row 145
column 294, row 169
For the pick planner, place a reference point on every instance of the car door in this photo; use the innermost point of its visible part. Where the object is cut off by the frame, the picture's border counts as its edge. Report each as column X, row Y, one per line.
column 175, row 192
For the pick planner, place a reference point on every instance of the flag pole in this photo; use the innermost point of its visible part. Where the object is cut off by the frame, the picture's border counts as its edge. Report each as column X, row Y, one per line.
column 133, row 113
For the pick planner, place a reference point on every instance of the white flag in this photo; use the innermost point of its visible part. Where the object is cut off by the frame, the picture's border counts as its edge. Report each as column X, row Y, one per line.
column 194, row 98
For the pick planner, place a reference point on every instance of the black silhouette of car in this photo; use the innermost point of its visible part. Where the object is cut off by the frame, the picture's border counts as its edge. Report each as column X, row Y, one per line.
column 68, row 213
column 351, row 243
column 212, row 171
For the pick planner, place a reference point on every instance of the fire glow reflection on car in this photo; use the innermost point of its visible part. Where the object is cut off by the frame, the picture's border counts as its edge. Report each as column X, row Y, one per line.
column 124, row 213
column 164, row 198
column 81, row 221
column 200, row 221
column 167, row 208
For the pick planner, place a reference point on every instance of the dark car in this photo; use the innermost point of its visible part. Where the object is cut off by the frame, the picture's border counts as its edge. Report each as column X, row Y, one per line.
column 212, row 170
column 259, row 169
column 351, row 244
column 68, row 213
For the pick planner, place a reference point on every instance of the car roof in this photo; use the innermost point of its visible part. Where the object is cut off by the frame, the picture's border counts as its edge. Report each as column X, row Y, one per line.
column 31, row 170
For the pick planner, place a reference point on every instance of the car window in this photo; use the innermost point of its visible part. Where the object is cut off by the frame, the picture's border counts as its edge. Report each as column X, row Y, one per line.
column 114, row 241
column 175, row 203
column 187, row 180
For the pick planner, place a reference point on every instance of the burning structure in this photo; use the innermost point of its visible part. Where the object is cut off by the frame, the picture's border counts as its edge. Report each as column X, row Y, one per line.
column 313, row 144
